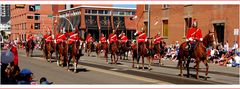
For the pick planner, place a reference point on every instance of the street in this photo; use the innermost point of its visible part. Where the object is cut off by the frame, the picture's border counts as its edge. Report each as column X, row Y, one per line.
column 93, row 70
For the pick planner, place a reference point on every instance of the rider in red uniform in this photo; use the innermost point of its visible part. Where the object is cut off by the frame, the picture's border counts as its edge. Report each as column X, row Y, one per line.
column 112, row 38
column 157, row 39
column 123, row 38
column 89, row 38
column 30, row 37
column 61, row 37
column 194, row 34
column 102, row 39
column 142, row 36
column 48, row 37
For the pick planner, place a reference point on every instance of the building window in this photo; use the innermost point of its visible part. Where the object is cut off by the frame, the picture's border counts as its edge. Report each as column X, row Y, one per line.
column 72, row 6
column 36, row 25
column 36, row 16
column 37, row 6
column 165, row 6
column 30, row 17
column 100, row 12
column 121, row 13
column 188, row 24
column 146, row 7
column 94, row 11
column 165, row 28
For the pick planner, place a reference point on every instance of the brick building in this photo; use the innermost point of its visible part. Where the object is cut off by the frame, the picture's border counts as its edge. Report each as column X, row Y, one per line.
column 26, row 19
column 174, row 20
column 95, row 19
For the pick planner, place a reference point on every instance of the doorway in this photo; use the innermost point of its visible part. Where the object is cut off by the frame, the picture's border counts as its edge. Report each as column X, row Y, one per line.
column 219, row 29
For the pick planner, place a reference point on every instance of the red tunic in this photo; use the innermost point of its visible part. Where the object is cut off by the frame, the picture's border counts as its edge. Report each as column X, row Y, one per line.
column 194, row 33
column 30, row 37
column 15, row 53
column 73, row 37
column 103, row 39
column 124, row 39
column 48, row 38
column 141, row 37
column 112, row 37
column 89, row 39
column 60, row 37
column 157, row 39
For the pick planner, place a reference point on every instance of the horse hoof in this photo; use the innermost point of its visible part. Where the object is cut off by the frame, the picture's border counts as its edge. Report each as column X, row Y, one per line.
column 205, row 78
column 181, row 75
column 75, row 71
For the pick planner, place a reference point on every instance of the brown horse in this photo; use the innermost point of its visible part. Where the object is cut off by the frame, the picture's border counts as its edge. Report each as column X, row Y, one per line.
column 150, row 53
column 61, row 50
column 199, row 54
column 114, row 50
column 48, row 49
column 123, row 49
column 89, row 48
column 29, row 47
column 75, row 53
column 104, row 47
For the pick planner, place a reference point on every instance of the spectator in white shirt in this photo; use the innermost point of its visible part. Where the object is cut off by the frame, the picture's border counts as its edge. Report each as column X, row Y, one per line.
column 226, row 46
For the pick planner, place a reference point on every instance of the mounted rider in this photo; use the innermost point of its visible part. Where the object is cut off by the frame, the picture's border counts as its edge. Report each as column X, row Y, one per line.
column 123, row 38
column 112, row 38
column 142, row 37
column 73, row 37
column 89, row 38
column 30, row 37
column 61, row 36
column 48, row 37
column 102, row 40
column 157, row 40
column 194, row 34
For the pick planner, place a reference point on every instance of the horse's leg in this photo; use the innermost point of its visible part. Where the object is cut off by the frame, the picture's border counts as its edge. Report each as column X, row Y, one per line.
column 181, row 66
column 133, row 60
column 206, row 64
column 75, row 64
column 142, row 62
column 188, row 62
column 197, row 68
column 149, row 62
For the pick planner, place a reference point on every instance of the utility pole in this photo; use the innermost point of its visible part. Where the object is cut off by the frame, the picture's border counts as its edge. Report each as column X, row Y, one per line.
column 148, row 34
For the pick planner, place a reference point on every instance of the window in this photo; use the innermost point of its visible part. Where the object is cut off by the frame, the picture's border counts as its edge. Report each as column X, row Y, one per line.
column 32, row 8
column 94, row 11
column 72, row 6
column 37, row 6
column 36, row 25
column 106, row 12
column 146, row 7
column 188, row 24
column 121, row 13
column 30, row 17
column 36, row 16
column 165, row 6
column 100, row 12
column 165, row 28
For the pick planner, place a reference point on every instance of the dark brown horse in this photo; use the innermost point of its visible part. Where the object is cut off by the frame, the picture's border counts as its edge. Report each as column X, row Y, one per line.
column 199, row 54
column 123, row 49
column 75, row 53
column 29, row 47
column 151, row 52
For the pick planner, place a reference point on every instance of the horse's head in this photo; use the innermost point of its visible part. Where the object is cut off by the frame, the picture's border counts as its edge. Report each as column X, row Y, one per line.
column 209, row 39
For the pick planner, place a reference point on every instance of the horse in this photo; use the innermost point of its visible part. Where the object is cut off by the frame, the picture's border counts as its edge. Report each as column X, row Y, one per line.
column 74, row 54
column 89, row 48
column 30, row 47
column 123, row 48
column 48, row 49
column 199, row 54
column 161, row 50
column 150, row 52
column 114, row 50
column 61, row 50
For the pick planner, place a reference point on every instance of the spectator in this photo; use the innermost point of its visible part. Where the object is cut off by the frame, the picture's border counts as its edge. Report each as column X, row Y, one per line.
column 8, row 77
column 25, row 77
column 226, row 46
column 13, row 49
column 44, row 81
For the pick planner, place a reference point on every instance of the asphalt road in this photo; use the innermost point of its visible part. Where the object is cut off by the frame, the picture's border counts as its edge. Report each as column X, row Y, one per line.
column 94, row 70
